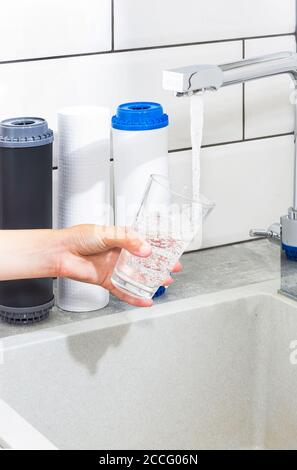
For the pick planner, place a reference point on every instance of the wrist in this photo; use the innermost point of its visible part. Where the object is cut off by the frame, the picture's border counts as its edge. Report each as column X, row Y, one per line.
column 60, row 249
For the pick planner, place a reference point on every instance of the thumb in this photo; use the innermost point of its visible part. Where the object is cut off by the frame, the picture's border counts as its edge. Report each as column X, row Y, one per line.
column 123, row 237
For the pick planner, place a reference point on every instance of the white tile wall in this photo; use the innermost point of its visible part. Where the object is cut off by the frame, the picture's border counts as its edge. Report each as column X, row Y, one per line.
column 250, row 181
column 30, row 28
column 42, row 87
column 251, row 184
column 268, row 107
column 142, row 23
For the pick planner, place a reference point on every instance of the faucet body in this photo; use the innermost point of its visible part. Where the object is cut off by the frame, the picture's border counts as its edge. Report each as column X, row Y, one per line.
column 192, row 79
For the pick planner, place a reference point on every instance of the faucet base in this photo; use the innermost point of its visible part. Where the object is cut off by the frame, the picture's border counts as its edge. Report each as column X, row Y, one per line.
column 288, row 275
column 286, row 294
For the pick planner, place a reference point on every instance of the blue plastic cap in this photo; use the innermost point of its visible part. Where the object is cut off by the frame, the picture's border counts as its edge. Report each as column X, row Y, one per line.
column 160, row 292
column 139, row 116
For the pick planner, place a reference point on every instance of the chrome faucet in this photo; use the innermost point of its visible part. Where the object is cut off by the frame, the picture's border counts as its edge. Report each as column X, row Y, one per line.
column 189, row 80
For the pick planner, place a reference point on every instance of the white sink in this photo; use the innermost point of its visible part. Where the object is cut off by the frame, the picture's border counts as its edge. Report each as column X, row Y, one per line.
column 213, row 371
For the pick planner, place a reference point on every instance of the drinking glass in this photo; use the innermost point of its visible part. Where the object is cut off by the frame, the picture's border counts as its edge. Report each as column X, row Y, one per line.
column 168, row 221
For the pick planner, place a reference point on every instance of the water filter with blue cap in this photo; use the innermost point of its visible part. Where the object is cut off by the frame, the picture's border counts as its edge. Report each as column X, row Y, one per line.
column 140, row 148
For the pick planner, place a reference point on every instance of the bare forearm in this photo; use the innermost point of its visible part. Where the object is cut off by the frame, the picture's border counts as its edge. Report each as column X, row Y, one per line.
column 86, row 253
column 26, row 254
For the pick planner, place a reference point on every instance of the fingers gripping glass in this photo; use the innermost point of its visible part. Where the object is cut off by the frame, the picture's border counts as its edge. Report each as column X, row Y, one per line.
column 168, row 221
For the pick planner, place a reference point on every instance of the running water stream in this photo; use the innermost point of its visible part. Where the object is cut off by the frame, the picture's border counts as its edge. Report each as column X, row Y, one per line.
column 197, row 119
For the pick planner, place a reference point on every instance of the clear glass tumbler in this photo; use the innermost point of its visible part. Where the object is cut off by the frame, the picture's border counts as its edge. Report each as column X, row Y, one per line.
column 168, row 221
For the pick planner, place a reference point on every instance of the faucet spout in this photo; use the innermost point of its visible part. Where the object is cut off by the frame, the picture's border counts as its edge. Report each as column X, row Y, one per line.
column 193, row 79
column 196, row 78
column 260, row 67
column 185, row 81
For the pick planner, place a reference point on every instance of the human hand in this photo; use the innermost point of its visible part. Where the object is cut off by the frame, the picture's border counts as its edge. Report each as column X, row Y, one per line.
column 90, row 253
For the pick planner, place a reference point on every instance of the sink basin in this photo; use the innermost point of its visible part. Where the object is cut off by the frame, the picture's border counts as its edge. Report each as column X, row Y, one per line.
column 210, row 372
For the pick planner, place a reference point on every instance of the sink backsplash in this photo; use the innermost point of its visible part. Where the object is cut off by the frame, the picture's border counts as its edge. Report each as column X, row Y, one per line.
column 107, row 52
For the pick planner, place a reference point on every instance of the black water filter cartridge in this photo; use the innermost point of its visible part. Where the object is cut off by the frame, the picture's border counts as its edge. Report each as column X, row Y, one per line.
column 25, row 203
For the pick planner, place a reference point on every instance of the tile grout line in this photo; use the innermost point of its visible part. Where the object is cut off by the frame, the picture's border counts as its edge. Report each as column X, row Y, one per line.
column 112, row 25
column 243, row 94
column 251, row 139
column 222, row 144
column 201, row 43
column 139, row 49
column 231, row 142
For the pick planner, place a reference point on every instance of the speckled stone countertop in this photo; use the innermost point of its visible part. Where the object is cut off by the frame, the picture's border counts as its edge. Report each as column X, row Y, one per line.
column 204, row 272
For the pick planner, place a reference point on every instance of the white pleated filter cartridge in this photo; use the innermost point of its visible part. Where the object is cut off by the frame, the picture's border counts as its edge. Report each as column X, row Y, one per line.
column 83, row 190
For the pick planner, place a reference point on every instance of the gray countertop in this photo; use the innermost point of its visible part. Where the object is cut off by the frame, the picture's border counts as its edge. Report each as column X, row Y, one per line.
column 204, row 272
